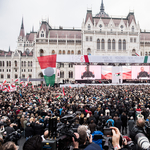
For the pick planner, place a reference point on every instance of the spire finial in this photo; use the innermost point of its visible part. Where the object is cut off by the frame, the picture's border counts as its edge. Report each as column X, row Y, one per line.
column 9, row 49
column 22, row 26
column 102, row 6
column 32, row 28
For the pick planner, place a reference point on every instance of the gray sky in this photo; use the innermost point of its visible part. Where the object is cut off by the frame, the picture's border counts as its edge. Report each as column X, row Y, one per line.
column 66, row 13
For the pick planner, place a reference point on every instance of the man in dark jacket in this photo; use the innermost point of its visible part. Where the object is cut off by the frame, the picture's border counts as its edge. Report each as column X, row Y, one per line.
column 118, row 123
column 9, row 129
column 124, row 122
column 92, row 126
column 38, row 128
column 28, row 131
column 131, row 124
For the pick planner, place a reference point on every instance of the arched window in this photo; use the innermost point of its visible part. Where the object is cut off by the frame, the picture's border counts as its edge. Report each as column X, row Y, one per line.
column 119, row 45
column 145, row 53
column 30, row 76
column 88, row 51
column 72, row 52
column 61, row 74
column 70, row 74
column 28, row 63
column 0, row 63
column 124, row 44
column 103, row 44
column 15, row 63
column 109, row 44
column 31, row 63
column 27, row 51
column 53, row 52
column 149, row 54
column 98, row 44
column 23, row 75
column 16, row 76
column 2, row 76
column 132, row 28
column 8, row 76
column 41, row 52
column 141, row 53
column 68, row 52
column 89, row 27
column 79, row 52
column 59, row 51
column 64, row 52
column 113, row 44
column 24, row 63
column 4, row 63
column 9, row 63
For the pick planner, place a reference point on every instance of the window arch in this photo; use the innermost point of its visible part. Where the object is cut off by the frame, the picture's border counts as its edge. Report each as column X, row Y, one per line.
column 0, row 63
column 30, row 75
column 103, row 44
column 8, row 76
column 31, row 63
column 64, row 52
column 28, row 63
column 59, row 51
column 109, row 44
column 70, row 74
column 61, row 74
column 98, row 44
column 72, row 52
column 149, row 54
column 145, row 53
column 53, row 52
column 9, row 63
column 3, row 64
column 16, row 76
column 119, row 45
column 68, row 52
column 113, row 44
column 15, row 63
column 132, row 28
column 41, row 52
column 24, row 63
column 89, row 27
column 27, row 51
column 23, row 75
column 2, row 76
column 79, row 52
column 124, row 44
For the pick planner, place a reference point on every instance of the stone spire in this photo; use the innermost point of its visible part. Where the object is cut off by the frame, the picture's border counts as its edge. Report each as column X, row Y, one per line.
column 22, row 30
column 102, row 7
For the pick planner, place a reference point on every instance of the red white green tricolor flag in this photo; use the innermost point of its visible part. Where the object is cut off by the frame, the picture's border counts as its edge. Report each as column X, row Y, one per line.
column 48, row 66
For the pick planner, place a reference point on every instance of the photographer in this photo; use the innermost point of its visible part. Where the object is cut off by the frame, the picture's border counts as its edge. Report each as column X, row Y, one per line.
column 84, row 142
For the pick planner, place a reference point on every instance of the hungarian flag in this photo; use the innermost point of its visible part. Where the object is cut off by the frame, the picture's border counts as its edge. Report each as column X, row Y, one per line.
column 48, row 66
column 136, row 54
column 1, row 87
column 4, row 82
column 16, row 80
column 58, row 97
column 64, row 91
column 21, row 82
column 118, row 74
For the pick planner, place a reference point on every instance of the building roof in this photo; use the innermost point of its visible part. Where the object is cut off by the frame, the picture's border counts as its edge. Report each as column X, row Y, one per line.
column 9, row 54
column 62, row 33
column 22, row 34
column 145, row 36
column 30, row 54
column 30, row 36
column 24, row 53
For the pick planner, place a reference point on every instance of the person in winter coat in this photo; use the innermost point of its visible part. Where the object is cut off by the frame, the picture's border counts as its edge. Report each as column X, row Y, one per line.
column 124, row 122
column 131, row 124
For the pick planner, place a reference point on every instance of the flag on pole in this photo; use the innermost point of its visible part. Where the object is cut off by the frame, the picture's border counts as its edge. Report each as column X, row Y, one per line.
column 1, row 87
column 48, row 66
column 21, row 82
column 28, row 79
column 136, row 54
column 64, row 91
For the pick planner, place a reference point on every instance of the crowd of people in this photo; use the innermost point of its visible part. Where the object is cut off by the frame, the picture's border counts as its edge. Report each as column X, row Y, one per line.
column 28, row 109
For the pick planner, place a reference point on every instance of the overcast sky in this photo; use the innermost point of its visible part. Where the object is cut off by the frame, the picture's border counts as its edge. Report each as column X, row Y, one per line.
column 66, row 13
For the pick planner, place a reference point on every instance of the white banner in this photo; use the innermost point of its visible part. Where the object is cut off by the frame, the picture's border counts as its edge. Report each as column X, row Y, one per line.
column 102, row 59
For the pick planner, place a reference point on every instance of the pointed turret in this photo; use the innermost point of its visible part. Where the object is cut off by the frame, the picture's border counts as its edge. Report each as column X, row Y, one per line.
column 9, row 49
column 102, row 11
column 22, row 30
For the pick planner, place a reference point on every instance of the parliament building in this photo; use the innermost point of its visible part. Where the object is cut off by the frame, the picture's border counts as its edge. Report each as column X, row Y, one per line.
column 99, row 35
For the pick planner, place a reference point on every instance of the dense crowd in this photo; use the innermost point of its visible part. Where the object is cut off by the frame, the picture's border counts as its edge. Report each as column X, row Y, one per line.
column 29, row 109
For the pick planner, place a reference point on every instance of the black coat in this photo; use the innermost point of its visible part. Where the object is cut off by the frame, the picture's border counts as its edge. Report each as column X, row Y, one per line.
column 38, row 129
column 118, row 124
column 124, row 120
column 29, row 131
